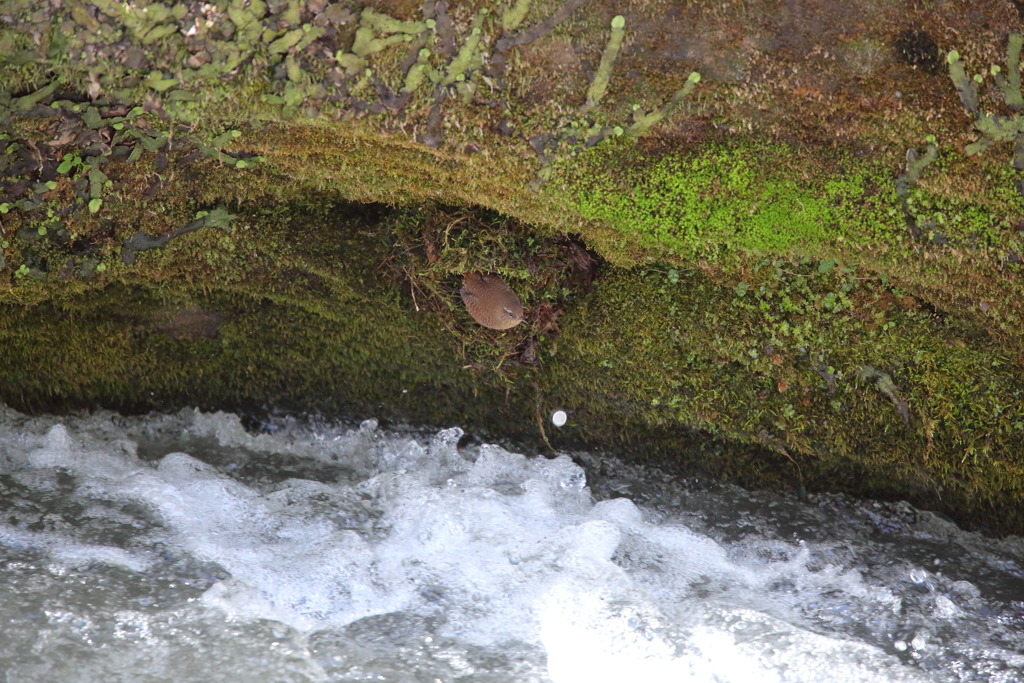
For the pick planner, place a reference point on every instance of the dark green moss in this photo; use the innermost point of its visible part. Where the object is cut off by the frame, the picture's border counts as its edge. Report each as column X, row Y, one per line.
column 775, row 368
column 314, row 325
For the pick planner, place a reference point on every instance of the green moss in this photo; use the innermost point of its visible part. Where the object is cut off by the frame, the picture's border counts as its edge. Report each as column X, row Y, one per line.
column 779, row 369
column 731, row 198
column 298, row 321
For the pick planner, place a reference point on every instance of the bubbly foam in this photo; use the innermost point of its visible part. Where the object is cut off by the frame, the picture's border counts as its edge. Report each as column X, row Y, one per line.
column 315, row 553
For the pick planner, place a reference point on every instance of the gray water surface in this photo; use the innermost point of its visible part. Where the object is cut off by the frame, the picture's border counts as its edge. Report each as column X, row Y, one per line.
column 184, row 548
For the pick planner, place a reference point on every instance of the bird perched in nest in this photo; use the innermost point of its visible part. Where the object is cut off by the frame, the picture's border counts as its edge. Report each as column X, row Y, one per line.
column 490, row 301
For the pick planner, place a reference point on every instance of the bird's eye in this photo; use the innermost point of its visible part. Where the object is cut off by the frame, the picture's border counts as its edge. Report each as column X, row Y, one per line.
column 509, row 313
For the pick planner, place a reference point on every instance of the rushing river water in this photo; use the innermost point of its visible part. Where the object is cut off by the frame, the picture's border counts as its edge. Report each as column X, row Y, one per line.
column 184, row 548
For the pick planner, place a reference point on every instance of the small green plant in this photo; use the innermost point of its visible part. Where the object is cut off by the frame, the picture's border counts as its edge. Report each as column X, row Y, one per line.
column 468, row 56
column 70, row 161
column 994, row 128
column 585, row 132
column 883, row 382
column 642, row 123
column 219, row 218
column 604, row 69
column 513, row 15
column 916, row 163
column 215, row 150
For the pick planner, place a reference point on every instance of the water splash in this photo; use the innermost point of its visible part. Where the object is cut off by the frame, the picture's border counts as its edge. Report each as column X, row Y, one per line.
column 185, row 547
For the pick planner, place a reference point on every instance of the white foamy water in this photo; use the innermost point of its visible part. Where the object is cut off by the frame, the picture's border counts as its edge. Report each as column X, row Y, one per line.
column 185, row 548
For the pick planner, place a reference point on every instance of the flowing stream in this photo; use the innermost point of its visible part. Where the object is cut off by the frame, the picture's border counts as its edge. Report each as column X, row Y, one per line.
column 185, row 548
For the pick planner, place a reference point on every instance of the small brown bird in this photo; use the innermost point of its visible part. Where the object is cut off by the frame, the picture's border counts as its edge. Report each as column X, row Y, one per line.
column 490, row 301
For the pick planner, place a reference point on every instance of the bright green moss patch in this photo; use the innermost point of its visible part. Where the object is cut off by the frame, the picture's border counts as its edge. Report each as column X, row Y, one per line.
column 732, row 198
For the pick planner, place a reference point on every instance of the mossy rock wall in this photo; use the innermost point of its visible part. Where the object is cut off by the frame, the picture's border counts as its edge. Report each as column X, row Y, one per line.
column 777, row 246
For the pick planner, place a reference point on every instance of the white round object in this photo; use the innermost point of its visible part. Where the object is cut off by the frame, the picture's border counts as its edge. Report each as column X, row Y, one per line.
column 558, row 418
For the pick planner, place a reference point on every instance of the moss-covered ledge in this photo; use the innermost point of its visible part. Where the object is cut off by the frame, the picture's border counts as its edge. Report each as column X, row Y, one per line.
column 801, row 267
